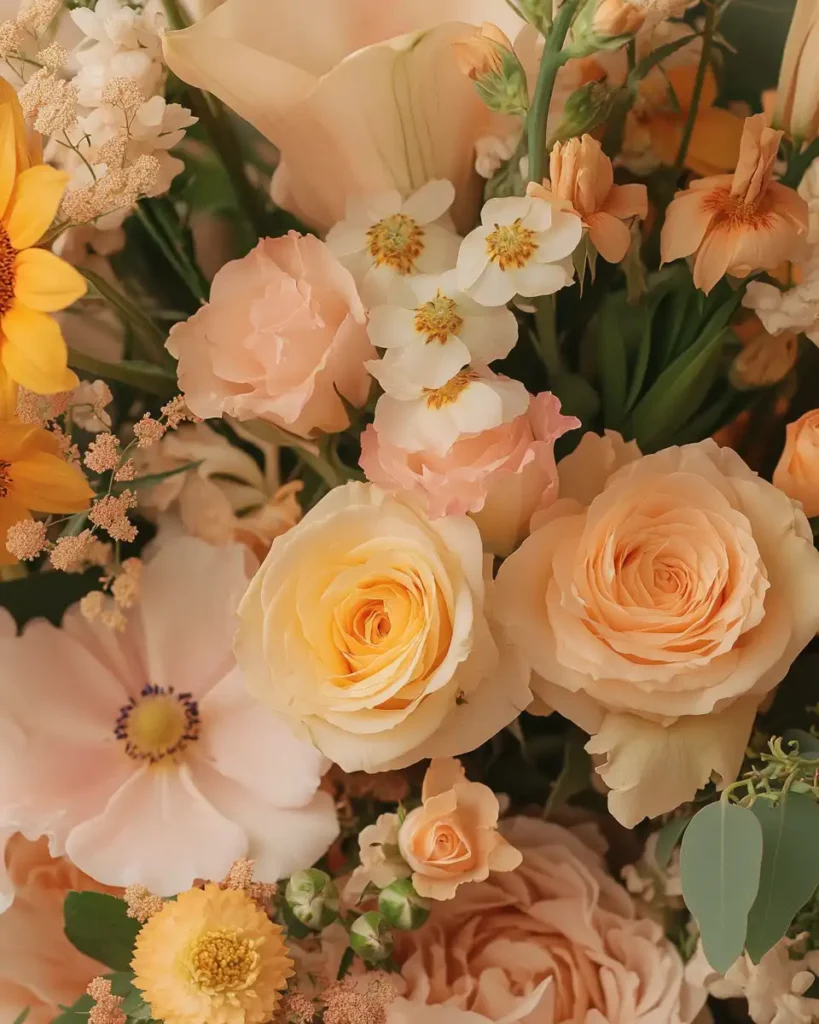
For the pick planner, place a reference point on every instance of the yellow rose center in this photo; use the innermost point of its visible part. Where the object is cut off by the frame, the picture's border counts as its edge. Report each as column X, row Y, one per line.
column 438, row 318
column 8, row 255
column 224, row 961
column 5, row 478
column 157, row 725
column 511, row 245
column 396, row 242
column 437, row 398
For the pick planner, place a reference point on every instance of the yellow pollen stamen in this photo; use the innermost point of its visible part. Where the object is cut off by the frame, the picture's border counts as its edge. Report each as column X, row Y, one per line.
column 158, row 724
column 396, row 242
column 511, row 245
column 224, row 961
column 437, row 398
column 5, row 478
column 438, row 318
column 8, row 254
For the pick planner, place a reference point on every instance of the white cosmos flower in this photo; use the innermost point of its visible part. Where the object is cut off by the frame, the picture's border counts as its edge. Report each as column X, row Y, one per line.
column 523, row 247
column 384, row 239
column 474, row 400
column 435, row 332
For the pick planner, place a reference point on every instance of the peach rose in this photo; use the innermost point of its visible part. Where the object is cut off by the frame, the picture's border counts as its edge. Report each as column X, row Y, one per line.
column 501, row 476
column 453, row 836
column 39, row 967
column 366, row 627
column 558, row 940
column 659, row 600
column 797, row 472
column 284, row 331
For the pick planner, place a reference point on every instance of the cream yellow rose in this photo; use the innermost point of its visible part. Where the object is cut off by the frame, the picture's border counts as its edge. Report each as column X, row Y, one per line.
column 659, row 600
column 367, row 628
column 797, row 472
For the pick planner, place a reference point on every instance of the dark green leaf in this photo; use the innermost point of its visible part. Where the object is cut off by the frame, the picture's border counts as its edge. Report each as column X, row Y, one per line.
column 98, row 925
column 667, row 838
column 643, row 67
column 21, row 1016
column 720, row 863
column 611, row 358
column 135, row 1006
column 790, row 867
column 574, row 775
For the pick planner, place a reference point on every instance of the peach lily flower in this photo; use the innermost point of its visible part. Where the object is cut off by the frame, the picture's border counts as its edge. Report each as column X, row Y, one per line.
column 735, row 224
column 797, row 95
column 581, row 179
column 360, row 97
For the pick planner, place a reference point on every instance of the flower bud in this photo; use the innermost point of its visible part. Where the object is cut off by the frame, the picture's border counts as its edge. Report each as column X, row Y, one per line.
column 487, row 58
column 605, row 25
column 370, row 938
column 586, row 108
column 313, row 898
column 402, row 907
column 765, row 359
column 797, row 95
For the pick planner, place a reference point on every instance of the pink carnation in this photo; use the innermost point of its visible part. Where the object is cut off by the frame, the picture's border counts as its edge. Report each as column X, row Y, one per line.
column 284, row 331
column 502, row 475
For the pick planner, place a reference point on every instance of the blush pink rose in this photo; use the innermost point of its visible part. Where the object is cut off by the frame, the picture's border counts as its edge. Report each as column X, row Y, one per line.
column 501, row 476
column 39, row 967
column 659, row 601
column 797, row 472
column 284, row 331
column 557, row 941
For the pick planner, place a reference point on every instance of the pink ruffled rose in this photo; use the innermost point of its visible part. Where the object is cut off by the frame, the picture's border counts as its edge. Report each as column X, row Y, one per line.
column 283, row 335
column 557, row 941
column 500, row 476
column 659, row 601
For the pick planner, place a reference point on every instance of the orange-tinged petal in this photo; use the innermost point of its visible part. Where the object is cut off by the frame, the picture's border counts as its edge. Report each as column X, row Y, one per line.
column 47, row 483
column 8, row 154
column 682, row 80
column 714, row 257
column 34, row 353
column 715, row 141
column 8, row 397
column 17, row 440
column 26, row 152
column 686, row 221
column 45, row 282
column 34, row 204
column 11, row 512
column 610, row 236
column 626, row 201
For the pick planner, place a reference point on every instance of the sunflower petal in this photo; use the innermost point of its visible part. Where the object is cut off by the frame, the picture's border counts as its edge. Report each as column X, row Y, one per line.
column 17, row 440
column 34, row 353
column 8, row 155
column 28, row 150
column 8, row 397
column 47, row 483
column 34, row 202
column 45, row 282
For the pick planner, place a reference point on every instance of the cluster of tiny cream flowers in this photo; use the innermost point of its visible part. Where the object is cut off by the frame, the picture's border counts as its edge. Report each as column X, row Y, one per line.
column 142, row 904
column 240, row 877
column 21, row 38
column 107, row 1008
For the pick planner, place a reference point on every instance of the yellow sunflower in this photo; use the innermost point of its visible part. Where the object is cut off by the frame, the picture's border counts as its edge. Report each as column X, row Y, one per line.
column 33, row 282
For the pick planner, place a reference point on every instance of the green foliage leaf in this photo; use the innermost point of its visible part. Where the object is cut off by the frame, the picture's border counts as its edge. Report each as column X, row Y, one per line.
column 77, row 1013
column 135, row 1006
column 720, row 864
column 574, row 775
column 98, row 925
column 790, row 867
column 667, row 838
column 20, row 1018
column 45, row 595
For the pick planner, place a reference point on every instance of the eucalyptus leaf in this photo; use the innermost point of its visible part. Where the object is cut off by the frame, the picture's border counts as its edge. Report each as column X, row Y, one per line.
column 790, row 867
column 720, row 863
column 99, row 926
column 667, row 838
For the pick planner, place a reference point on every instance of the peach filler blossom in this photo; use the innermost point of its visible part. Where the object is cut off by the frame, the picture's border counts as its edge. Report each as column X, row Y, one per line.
column 659, row 601
column 797, row 472
column 282, row 338
column 736, row 224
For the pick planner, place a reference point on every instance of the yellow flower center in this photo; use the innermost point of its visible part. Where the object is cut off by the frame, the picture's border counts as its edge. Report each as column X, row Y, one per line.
column 224, row 961
column 8, row 254
column 438, row 318
column 158, row 724
column 511, row 245
column 437, row 398
column 5, row 478
column 396, row 242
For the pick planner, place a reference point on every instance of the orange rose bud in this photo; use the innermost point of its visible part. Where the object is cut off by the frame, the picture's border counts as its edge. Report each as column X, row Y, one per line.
column 618, row 18
column 482, row 53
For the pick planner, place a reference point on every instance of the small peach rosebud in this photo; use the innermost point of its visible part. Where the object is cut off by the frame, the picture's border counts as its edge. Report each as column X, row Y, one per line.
column 482, row 53
column 488, row 59
column 618, row 18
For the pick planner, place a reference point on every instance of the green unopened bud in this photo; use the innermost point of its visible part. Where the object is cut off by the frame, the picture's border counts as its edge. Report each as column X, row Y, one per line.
column 605, row 25
column 537, row 13
column 370, row 938
column 488, row 59
column 313, row 898
column 402, row 907
column 586, row 108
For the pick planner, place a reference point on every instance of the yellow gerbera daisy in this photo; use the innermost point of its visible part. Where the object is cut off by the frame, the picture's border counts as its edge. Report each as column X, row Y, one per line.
column 211, row 957
column 33, row 282
column 35, row 476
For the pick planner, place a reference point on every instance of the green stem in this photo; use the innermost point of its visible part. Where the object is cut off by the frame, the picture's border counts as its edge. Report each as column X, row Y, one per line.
column 699, row 82
column 150, row 337
column 187, row 274
column 552, row 61
column 799, row 163
column 143, row 376
column 548, row 346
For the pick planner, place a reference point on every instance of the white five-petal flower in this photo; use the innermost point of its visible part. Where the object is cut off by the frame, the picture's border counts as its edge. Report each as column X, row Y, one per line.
column 432, row 419
column 435, row 332
column 523, row 247
column 384, row 239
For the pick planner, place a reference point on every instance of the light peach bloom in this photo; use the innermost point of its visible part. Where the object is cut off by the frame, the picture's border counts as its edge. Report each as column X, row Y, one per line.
column 481, row 53
column 618, row 18
column 558, row 941
column 581, row 177
column 283, row 334
column 453, row 836
column 499, row 476
column 797, row 94
column 367, row 628
column 735, row 224
column 39, row 967
column 659, row 601
column 797, row 472
column 380, row 856
column 359, row 97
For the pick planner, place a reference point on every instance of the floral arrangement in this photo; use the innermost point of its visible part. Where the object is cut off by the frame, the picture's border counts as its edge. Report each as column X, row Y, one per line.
column 409, row 483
